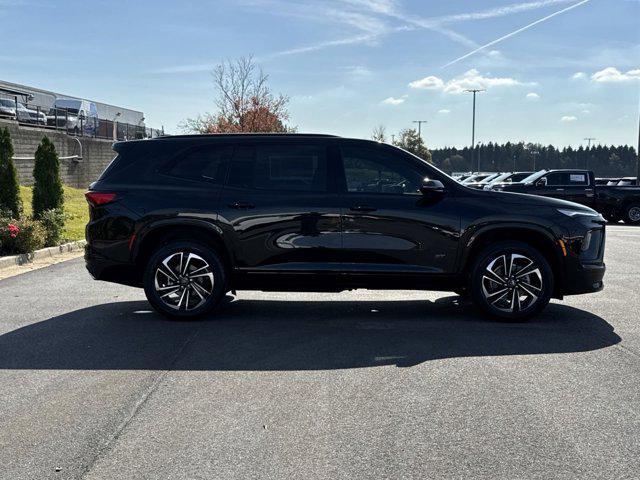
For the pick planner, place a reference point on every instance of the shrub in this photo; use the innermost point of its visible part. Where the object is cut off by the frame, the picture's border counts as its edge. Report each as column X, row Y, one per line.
column 47, row 190
column 9, row 187
column 52, row 221
column 20, row 236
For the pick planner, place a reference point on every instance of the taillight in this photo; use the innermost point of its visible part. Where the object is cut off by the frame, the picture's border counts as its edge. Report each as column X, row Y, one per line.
column 99, row 198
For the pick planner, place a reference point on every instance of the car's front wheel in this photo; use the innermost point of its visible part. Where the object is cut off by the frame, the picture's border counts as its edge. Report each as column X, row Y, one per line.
column 511, row 281
column 184, row 279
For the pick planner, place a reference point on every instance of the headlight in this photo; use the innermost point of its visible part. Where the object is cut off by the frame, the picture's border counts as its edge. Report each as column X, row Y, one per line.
column 578, row 213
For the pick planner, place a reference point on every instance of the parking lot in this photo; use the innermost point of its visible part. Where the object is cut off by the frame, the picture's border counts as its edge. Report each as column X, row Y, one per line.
column 355, row 385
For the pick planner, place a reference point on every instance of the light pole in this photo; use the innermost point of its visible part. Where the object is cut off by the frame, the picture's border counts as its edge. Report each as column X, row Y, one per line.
column 534, row 154
column 638, row 155
column 473, row 123
column 588, row 152
column 115, row 125
column 420, row 122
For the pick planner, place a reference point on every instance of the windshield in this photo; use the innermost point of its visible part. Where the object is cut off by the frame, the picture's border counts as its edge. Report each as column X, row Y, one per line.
column 517, row 177
column 491, row 178
column 499, row 178
column 533, row 177
column 475, row 178
column 7, row 103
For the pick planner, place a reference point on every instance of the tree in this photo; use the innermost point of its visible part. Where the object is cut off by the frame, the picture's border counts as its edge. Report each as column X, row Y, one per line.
column 379, row 134
column 413, row 143
column 244, row 102
column 47, row 189
column 9, row 186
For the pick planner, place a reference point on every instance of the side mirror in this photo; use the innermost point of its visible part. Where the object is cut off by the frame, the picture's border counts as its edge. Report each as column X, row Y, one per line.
column 542, row 182
column 432, row 188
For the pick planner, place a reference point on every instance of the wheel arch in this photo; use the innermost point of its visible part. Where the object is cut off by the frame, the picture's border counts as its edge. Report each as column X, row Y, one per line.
column 533, row 235
column 163, row 231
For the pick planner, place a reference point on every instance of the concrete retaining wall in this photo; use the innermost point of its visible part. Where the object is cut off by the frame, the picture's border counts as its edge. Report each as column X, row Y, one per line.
column 96, row 154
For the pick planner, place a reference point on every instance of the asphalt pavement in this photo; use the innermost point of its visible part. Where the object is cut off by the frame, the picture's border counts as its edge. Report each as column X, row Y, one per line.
column 364, row 384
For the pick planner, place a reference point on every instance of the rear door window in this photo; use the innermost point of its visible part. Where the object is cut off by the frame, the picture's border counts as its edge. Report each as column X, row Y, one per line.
column 297, row 167
column 207, row 163
column 576, row 179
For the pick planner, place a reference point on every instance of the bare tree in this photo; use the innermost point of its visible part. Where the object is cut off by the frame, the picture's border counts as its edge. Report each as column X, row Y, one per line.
column 379, row 134
column 244, row 102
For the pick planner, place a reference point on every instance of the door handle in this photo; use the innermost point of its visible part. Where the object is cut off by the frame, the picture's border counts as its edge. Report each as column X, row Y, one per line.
column 363, row 208
column 559, row 189
column 241, row 205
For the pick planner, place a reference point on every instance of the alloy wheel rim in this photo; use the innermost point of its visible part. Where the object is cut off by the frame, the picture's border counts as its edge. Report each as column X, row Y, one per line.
column 184, row 281
column 512, row 282
column 634, row 214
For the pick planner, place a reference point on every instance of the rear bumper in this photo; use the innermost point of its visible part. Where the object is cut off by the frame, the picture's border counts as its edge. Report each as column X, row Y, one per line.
column 105, row 269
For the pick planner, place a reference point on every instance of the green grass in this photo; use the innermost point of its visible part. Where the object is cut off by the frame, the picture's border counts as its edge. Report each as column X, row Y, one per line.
column 75, row 209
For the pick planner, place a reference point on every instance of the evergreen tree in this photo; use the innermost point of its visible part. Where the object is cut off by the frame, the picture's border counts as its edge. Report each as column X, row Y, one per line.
column 9, row 186
column 47, row 190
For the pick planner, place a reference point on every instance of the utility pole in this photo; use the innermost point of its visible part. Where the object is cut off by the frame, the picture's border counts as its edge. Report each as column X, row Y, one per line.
column 393, row 139
column 638, row 155
column 473, row 123
column 587, row 153
column 420, row 122
column 534, row 154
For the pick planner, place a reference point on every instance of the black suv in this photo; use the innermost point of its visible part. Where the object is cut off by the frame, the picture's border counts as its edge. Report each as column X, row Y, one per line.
column 190, row 218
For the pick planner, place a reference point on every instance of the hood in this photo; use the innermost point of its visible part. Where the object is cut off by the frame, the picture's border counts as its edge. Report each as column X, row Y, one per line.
column 535, row 201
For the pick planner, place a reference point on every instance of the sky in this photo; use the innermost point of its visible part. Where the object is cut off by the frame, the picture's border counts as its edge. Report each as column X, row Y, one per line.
column 553, row 71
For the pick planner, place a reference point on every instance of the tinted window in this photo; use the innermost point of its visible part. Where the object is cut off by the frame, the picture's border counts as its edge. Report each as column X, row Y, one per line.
column 557, row 178
column 372, row 171
column 280, row 167
column 577, row 178
column 204, row 163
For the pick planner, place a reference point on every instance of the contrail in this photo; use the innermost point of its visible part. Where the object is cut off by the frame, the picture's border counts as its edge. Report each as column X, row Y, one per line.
column 508, row 35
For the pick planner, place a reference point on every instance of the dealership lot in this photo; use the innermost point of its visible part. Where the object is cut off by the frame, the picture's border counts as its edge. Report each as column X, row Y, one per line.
column 354, row 385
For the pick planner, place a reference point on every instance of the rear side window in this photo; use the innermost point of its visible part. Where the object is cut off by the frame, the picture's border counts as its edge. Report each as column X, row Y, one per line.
column 208, row 163
column 301, row 168
column 577, row 178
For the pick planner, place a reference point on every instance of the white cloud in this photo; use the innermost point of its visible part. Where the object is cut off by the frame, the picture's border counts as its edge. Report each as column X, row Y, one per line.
column 428, row 83
column 444, row 110
column 470, row 79
column 613, row 75
column 533, row 95
column 568, row 119
column 579, row 76
column 394, row 101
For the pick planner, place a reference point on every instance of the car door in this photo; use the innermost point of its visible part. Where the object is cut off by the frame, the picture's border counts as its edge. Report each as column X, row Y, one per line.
column 552, row 185
column 578, row 188
column 388, row 225
column 277, row 210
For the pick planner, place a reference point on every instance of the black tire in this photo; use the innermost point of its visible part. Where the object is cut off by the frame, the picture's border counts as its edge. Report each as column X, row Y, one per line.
column 611, row 218
column 192, row 293
column 632, row 214
column 521, row 295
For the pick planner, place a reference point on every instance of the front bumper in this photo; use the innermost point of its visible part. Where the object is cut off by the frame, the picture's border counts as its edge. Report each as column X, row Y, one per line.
column 585, row 279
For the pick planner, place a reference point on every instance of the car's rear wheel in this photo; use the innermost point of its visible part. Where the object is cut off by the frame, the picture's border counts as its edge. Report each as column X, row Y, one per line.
column 632, row 214
column 184, row 279
column 511, row 281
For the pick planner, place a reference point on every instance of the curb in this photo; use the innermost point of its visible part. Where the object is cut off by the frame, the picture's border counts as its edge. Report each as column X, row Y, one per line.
column 16, row 260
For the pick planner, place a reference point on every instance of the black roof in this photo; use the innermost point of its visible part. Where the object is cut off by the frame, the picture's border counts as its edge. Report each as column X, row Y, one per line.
column 211, row 136
column 218, row 135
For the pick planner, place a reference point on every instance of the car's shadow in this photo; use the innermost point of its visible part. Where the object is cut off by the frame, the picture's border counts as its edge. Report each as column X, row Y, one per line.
column 281, row 335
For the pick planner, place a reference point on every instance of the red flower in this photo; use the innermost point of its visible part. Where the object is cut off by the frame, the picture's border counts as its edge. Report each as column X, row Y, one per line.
column 13, row 230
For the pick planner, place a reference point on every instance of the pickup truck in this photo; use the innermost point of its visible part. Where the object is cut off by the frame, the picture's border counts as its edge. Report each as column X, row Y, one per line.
column 615, row 202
